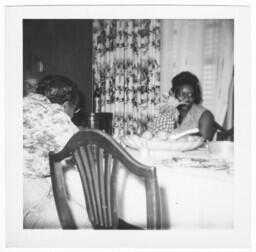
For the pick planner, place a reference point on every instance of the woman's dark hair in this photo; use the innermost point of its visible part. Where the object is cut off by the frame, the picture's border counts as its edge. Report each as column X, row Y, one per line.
column 189, row 79
column 58, row 89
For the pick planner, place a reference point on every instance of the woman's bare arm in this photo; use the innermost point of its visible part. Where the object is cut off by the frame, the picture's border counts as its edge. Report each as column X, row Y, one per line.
column 207, row 125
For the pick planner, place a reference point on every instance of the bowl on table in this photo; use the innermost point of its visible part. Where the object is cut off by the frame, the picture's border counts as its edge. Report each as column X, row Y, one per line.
column 222, row 149
column 163, row 143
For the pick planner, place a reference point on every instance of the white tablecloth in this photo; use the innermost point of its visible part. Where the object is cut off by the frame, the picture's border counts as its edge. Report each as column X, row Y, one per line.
column 190, row 197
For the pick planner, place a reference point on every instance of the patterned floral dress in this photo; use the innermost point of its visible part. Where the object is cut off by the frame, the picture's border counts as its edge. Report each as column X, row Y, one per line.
column 46, row 127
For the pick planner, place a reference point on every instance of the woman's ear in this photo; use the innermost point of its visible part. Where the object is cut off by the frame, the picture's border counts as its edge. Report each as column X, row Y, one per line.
column 65, row 105
column 68, row 108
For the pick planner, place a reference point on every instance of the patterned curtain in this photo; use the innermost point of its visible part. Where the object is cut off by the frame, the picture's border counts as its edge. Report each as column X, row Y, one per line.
column 126, row 65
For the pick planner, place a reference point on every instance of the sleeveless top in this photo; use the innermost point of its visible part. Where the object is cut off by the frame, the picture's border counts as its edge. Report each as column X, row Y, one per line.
column 191, row 120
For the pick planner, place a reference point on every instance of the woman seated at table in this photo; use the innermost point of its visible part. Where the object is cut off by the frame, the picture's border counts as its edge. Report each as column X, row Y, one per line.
column 186, row 88
column 181, row 109
column 47, row 126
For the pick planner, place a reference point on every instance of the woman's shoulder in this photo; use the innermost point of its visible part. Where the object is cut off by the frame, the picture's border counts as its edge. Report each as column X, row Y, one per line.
column 201, row 110
column 196, row 111
column 41, row 115
column 206, row 117
column 39, row 104
column 35, row 98
column 198, row 108
column 207, row 114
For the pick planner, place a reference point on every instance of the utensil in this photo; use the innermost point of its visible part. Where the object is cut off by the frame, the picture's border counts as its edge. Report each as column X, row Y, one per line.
column 184, row 133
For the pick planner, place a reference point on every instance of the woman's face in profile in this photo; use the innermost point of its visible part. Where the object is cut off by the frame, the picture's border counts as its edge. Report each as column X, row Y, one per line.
column 185, row 94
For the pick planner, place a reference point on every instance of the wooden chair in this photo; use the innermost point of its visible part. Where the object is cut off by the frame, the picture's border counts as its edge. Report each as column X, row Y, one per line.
column 224, row 134
column 98, row 156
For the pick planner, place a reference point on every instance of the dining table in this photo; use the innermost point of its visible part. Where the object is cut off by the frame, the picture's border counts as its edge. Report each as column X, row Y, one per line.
column 196, row 189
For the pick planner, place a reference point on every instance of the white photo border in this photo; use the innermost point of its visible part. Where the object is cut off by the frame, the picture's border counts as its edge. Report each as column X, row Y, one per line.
column 240, row 237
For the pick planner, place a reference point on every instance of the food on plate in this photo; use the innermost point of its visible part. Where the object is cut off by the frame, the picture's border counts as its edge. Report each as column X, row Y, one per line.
column 163, row 141
column 190, row 138
column 134, row 137
column 181, row 140
column 171, row 139
column 136, row 140
column 163, row 135
column 147, row 135
column 155, row 140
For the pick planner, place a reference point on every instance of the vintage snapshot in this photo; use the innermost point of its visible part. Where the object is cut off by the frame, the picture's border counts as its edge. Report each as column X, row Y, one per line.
column 130, row 124
column 162, row 91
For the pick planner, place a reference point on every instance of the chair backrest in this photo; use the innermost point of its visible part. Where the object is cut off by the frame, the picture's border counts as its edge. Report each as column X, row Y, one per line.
column 224, row 134
column 98, row 157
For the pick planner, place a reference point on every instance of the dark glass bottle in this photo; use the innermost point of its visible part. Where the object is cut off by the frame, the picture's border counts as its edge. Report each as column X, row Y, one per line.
column 97, row 100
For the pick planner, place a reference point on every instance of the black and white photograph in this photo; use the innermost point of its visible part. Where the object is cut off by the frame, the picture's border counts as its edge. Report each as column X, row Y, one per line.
column 163, row 91
column 130, row 126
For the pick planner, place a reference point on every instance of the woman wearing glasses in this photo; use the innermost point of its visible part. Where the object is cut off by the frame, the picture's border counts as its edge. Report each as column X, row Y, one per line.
column 186, row 88
column 47, row 126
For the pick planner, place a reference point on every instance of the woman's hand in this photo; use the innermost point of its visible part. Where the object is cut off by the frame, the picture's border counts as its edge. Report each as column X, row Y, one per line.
column 172, row 100
column 168, row 104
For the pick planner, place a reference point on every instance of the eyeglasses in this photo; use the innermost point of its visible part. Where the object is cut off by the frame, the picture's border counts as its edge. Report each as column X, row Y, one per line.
column 183, row 95
column 77, row 110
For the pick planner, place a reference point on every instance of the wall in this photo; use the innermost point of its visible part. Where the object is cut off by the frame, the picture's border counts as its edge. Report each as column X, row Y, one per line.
column 65, row 47
column 204, row 47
